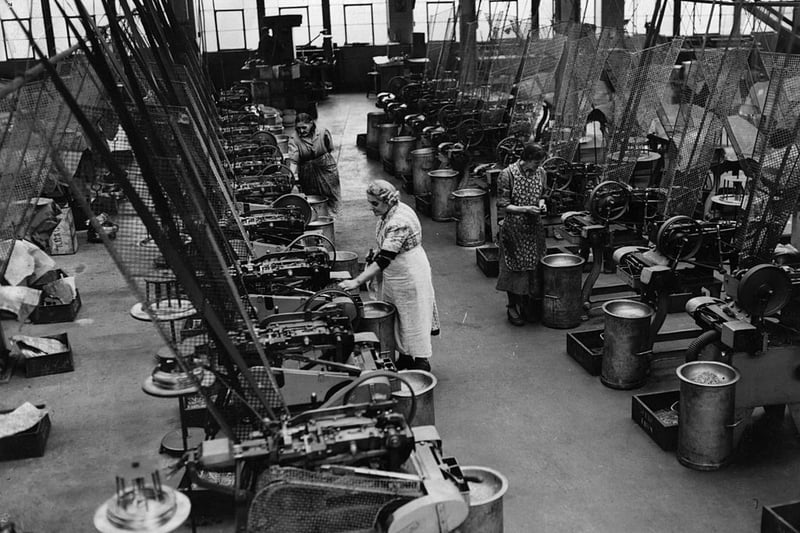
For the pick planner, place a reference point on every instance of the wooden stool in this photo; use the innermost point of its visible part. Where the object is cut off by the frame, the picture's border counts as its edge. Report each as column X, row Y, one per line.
column 375, row 82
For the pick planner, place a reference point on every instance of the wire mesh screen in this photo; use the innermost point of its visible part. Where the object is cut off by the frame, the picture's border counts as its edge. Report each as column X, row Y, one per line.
column 541, row 60
column 697, row 124
column 160, row 153
column 774, row 190
column 638, row 94
column 290, row 500
column 39, row 139
column 582, row 71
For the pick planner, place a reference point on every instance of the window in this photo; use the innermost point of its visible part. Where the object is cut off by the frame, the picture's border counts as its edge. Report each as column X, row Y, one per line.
column 229, row 24
column 230, row 29
column 440, row 19
column 15, row 39
column 495, row 20
column 358, row 24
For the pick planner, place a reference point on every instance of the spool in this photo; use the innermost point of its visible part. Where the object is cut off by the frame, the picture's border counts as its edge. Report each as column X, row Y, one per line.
column 379, row 319
column 443, row 184
column 705, row 420
column 627, row 346
column 486, row 490
column 562, row 305
column 344, row 261
column 422, row 384
column 401, row 155
column 385, row 133
column 323, row 226
column 470, row 212
column 319, row 206
column 275, row 130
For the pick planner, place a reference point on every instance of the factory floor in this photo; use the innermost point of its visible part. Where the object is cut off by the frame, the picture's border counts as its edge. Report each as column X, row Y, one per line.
column 508, row 398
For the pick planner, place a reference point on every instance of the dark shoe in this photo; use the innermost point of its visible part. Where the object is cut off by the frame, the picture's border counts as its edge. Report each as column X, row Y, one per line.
column 421, row 363
column 514, row 315
column 404, row 362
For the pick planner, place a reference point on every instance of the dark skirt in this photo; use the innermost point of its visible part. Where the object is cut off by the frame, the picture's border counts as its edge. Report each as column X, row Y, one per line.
column 523, row 282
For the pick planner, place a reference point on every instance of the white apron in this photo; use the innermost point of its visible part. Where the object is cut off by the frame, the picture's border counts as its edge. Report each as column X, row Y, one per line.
column 408, row 286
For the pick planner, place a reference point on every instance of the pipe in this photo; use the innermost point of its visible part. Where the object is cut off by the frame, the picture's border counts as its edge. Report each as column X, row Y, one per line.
column 697, row 345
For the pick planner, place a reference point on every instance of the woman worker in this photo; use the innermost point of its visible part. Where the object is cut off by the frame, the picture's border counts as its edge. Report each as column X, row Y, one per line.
column 406, row 274
column 521, row 239
column 311, row 161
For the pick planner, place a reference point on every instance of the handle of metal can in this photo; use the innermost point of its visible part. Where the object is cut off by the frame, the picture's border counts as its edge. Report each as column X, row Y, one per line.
column 735, row 424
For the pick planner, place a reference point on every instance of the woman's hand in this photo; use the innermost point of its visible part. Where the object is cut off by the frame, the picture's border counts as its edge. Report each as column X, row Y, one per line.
column 349, row 285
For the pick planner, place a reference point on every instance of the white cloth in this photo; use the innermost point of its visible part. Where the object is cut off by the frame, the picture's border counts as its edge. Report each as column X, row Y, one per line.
column 407, row 284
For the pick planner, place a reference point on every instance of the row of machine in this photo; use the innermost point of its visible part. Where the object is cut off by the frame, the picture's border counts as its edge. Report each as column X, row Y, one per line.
column 671, row 166
column 293, row 416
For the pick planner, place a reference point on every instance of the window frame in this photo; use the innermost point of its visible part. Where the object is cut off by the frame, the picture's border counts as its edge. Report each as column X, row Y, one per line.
column 371, row 20
column 216, row 28
column 306, row 20
column 3, row 22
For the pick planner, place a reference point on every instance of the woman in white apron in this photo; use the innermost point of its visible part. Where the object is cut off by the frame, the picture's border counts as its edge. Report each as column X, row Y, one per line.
column 406, row 275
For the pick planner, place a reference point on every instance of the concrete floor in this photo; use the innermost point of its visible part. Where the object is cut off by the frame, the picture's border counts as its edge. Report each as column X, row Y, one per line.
column 508, row 398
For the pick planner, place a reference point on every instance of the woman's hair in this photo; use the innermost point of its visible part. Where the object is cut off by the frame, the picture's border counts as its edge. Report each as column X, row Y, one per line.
column 533, row 152
column 384, row 191
column 303, row 118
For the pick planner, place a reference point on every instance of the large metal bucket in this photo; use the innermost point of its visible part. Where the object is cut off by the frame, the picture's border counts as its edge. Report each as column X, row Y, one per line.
column 319, row 206
column 379, row 319
column 627, row 346
column 401, row 155
column 486, row 490
column 322, row 226
column 443, row 183
column 385, row 133
column 345, row 261
column 422, row 160
column 422, row 385
column 562, row 306
column 705, row 419
column 470, row 212
column 373, row 119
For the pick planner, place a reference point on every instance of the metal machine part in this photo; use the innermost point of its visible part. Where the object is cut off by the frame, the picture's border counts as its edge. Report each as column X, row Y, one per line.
column 281, row 272
column 609, row 201
column 142, row 506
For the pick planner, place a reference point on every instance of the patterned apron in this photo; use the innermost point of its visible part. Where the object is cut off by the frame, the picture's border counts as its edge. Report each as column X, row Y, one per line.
column 522, row 235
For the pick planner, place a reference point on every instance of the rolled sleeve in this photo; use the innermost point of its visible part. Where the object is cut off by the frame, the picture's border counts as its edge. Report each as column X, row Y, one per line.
column 394, row 238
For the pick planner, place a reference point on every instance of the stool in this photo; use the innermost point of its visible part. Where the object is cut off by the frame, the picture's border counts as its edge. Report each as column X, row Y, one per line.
column 375, row 82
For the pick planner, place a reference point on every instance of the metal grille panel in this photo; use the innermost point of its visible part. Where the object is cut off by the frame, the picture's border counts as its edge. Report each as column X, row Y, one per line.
column 639, row 93
column 289, row 500
column 698, row 124
column 774, row 188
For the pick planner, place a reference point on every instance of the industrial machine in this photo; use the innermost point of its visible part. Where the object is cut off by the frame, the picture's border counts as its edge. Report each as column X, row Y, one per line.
column 341, row 468
column 756, row 332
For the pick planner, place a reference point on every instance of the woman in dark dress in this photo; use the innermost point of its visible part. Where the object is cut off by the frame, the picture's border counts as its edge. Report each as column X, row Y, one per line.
column 311, row 160
column 521, row 238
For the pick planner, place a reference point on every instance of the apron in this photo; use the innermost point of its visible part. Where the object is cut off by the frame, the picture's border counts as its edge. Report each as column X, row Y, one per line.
column 522, row 235
column 407, row 285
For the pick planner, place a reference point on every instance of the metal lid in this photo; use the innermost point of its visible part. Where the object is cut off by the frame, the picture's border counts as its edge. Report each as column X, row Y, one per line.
column 378, row 309
column 443, row 173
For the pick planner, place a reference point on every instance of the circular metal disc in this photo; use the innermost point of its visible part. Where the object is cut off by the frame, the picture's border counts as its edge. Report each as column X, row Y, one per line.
column 295, row 200
column 182, row 508
column 609, row 200
column 679, row 238
column 764, row 290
